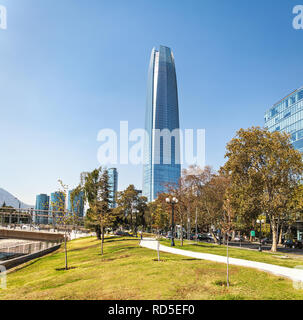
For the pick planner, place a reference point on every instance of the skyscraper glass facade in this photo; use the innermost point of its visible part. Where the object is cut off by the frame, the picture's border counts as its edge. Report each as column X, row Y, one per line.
column 78, row 204
column 287, row 116
column 162, row 112
column 57, row 205
column 42, row 203
column 113, row 181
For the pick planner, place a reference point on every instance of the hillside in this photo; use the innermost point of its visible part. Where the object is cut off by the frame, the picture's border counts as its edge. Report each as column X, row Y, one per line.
column 11, row 200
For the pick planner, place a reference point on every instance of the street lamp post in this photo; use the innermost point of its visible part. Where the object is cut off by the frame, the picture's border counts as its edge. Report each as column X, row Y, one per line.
column 135, row 211
column 260, row 234
column 173, row 201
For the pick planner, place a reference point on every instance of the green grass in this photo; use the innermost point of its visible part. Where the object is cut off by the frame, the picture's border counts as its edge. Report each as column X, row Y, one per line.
column 280, row 259
column 127, row 271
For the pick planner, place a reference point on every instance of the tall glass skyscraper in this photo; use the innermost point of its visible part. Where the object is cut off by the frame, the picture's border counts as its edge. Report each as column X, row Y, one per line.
column 78, row 204
column 287, row 116
column 57, row 205
column 113, row 181
column 42, row 203
column 161, row 157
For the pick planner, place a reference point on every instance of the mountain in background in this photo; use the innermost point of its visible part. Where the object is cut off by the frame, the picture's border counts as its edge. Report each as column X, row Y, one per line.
column 12, row 201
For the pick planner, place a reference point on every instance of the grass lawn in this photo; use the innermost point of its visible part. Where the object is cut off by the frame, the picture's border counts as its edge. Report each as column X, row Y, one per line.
column 127, row 271
column 280, row 259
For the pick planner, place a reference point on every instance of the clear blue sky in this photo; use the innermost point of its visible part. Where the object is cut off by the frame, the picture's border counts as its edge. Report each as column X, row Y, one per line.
column 70, row 68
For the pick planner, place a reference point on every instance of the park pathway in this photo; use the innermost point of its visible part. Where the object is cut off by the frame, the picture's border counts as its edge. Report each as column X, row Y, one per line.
column 293, row 274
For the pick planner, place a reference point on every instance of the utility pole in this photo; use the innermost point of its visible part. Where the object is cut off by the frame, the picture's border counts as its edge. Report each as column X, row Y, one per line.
column 196, row 222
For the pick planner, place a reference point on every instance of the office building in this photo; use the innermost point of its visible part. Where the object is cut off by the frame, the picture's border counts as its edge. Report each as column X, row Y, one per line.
column 287, row 116
column 57, row 206
column 113, row 181
column 78, row 204
column 161, row 156
column 42, row 203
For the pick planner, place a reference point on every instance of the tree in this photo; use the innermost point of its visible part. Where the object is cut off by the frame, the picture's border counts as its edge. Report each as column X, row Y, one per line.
column 61, row 215
column 131, row 208
column 264, row 170
column 77, row 203
column 97, row 193
column 141, row 207
column 182, row 208
column 159, row 215
column 205, row 191
column 190, row 187
column 227, row 226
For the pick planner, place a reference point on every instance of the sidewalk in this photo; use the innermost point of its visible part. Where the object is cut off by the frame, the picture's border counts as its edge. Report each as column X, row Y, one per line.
column 293, row 274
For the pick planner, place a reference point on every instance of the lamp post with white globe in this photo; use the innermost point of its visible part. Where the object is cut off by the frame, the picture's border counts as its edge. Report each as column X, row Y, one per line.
column 260, row 234
column 173, row 201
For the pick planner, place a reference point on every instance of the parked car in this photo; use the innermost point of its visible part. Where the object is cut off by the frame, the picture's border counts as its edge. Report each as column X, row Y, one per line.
column 192, row 236
column 298, row 244
column 169, row 235
column 289, row 244
column 204, row 237
column 265, row 241
column 121, row 233
column 238, row 238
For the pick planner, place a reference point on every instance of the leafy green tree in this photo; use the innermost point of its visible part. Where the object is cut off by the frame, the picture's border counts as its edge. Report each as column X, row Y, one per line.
column 205, row 191
column 159, row 216
column 131, row 208
column 182, row 209
column 264, row 170
column 97, row 193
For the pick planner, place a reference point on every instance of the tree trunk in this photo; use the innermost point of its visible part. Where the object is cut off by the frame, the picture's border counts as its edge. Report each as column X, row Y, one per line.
column 188, row 223
column 274, row 236
column 181, row 233
column 102, row 238
column 98, row 232
column 136, row 232
column 281, row 234
column 233, row 235
column 224, row 238
column 65, row 249
column 214, row 237
column 227, row 265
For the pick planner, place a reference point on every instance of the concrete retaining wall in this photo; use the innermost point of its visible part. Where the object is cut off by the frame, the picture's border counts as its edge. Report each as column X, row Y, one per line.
column 30, row 235
column 17, row 261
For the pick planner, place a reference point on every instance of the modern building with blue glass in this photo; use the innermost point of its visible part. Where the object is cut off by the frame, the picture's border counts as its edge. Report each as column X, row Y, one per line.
column 161, row 157
column 287, row 116
column 42, row 203
column 56, row 206
column 113, row 182
column 78, row 204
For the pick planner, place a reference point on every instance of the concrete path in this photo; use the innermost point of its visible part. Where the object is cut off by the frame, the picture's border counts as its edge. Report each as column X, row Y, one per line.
column 293, row 274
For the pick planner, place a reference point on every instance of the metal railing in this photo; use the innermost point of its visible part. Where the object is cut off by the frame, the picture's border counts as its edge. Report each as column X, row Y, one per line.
column 11, row 251
column 41, row 219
